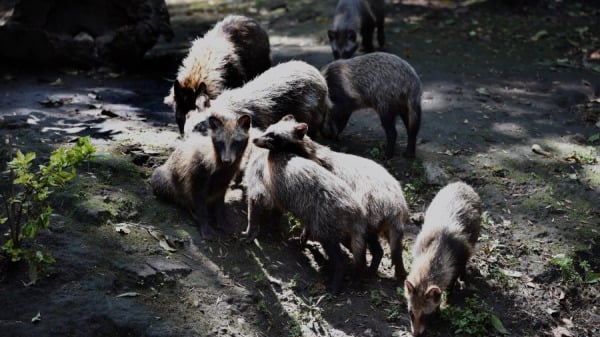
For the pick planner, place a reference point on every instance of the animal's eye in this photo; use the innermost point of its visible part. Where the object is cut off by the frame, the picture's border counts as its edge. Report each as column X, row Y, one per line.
column 219, row 145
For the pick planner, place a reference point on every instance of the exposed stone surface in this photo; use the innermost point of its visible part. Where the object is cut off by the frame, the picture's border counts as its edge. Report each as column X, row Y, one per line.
column 88, row 32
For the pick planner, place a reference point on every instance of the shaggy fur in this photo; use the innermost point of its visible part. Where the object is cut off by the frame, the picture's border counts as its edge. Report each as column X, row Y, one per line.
column 376, row 188
column 293, row 87
column 380, row 81
column 198, row 172
column 233, row 52
column 352, row 17
column 442, row 248
column 279, row 181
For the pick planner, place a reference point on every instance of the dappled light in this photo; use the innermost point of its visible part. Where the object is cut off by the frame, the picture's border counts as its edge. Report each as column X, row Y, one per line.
column 509, row 106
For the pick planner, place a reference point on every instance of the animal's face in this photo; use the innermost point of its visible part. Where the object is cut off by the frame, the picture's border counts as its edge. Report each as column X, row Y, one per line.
column 421, row 304
column 282, row 135
column 343, row 43
column 187, row 99
column 230, row 137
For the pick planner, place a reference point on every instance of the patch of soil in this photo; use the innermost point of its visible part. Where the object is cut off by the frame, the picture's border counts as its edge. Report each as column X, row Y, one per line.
column 495, row 80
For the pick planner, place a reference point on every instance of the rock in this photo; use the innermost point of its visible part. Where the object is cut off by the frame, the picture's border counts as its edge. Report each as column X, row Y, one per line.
column 434, row 174
column 168, row 267
column 86, row 33
column 141, row 270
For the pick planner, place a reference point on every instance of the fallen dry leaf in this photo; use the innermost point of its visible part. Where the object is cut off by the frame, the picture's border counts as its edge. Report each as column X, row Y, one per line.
column 560, row 331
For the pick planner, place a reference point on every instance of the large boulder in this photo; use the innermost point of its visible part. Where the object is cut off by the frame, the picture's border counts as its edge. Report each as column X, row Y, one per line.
column 90, row 32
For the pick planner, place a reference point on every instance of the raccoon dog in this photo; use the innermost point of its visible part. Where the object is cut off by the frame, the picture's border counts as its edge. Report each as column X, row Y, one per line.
column 352, row 17
column 293, row 87
column 198, row 172
column 442, row 248
column 233, row 52
column 376, row 189
column 381, row 81
column 280, row 181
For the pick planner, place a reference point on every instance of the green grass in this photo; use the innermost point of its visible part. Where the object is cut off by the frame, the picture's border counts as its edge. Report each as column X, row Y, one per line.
column 475, row 318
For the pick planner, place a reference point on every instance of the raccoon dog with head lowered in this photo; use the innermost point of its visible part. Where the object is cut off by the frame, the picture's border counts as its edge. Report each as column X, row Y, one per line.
column 352, row 17
column 279, row 181
column 381, row 81
column 442, row 248
column 198, row 172
column 376, row 189
column 293, row 87
column 232, row 53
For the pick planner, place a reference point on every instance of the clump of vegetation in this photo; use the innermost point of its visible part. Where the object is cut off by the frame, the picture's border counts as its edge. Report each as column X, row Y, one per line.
column 585, row 157
column 398, row 309
column 568, row 272
column 376, row 298
column 377, row 151
column 474, row 319
column 26, row 210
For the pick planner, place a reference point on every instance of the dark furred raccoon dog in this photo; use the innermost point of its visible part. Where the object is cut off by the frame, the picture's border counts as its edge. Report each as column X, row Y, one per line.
column 293, row 87
column 232, row 53
column 377, row 190
column 381, row 81
column 442, row 248
column 279, row 181
column 198, row 172
column 352, row 17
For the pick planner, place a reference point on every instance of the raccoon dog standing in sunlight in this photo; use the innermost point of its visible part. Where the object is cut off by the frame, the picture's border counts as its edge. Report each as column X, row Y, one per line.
column 279, row 181
column 442, row 248
column 381, row 81
column 232, row 53
column 293, row 87
column 379, row 192
column 352, row 17
column 198, row 172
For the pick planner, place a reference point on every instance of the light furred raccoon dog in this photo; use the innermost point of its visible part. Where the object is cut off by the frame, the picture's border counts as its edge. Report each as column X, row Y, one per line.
column 378, row 191
column 381, row 81
column 293, row 87
column 198, row 172
column 442, row 248
column 279, row 181
column 232, row 53
column 352, row 17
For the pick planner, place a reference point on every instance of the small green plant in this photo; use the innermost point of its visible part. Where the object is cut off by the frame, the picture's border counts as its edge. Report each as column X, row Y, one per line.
column 474, row 319
column 569, row 274
column 395, row 313
column 586, row 157
column 376, row 298
column 589, row 276
column 294, row 223
column 295, row 330
column 26, row 210
column 376, row 151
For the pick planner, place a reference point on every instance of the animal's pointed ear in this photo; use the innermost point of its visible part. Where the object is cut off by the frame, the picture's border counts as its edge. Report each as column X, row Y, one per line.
column 214, row 122
column 300, row 130
column 244, row 121
column 201, row 89
column 434, row 293
column 410, row 288
column 289, row 117
column 331, row 34
column 352, row 35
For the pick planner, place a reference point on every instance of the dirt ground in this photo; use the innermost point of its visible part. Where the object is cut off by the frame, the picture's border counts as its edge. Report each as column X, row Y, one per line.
column 497, row 80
